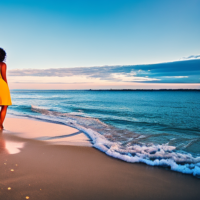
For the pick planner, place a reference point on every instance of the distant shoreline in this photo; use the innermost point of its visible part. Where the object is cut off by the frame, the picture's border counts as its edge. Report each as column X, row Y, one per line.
column 145, row 90
column 111, row 90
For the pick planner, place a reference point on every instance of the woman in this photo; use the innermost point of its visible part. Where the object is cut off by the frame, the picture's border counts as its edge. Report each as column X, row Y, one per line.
column 5, row 99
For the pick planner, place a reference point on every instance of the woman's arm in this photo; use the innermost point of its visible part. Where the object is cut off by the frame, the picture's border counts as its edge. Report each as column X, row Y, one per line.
column 3, row 72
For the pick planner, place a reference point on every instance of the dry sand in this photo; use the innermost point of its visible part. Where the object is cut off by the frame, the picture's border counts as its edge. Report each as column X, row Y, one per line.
column 47, row 172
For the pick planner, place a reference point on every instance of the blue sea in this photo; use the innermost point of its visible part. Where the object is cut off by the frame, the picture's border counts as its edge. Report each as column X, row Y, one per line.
column 159, row 128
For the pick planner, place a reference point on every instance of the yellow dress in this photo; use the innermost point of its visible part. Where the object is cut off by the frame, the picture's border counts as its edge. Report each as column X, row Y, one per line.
column 5, row 99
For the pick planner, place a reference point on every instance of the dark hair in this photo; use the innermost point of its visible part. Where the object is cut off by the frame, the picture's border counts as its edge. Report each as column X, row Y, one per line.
column 2, row 55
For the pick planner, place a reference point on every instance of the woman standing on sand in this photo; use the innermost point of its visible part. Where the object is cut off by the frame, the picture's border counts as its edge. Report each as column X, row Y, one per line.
column 5, row 99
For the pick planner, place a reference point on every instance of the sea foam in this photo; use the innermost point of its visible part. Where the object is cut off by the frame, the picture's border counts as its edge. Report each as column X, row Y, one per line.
column 154, row 155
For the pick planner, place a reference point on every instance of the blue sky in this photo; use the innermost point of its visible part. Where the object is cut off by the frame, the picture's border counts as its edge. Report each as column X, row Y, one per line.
column 86, row 33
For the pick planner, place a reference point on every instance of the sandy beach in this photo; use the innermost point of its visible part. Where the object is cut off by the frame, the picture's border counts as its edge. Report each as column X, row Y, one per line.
column 69, row 168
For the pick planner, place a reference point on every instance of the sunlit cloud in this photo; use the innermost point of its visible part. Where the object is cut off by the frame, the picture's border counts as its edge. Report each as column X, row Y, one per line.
column 175, row 77
column 128, row 78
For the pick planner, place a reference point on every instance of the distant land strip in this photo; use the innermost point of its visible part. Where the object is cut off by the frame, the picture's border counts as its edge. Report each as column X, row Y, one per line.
column 144, row 90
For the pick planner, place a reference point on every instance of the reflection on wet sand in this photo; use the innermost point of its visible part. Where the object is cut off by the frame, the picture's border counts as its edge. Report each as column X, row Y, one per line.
column 8, row 146
column 2, row 143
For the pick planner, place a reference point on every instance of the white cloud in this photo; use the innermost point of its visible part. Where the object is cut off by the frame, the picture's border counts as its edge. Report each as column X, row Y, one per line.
column 143, row 71
column 127, row 78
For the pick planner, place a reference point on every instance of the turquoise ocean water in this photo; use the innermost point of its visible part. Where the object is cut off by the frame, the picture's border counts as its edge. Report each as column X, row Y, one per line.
column 159, row 128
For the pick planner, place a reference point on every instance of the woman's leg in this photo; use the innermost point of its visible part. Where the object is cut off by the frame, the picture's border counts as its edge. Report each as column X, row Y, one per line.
column 2, row 115
column 1, row 127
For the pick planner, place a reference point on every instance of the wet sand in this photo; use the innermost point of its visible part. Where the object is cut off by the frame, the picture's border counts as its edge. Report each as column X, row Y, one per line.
column 44, row 171
column 51, row 132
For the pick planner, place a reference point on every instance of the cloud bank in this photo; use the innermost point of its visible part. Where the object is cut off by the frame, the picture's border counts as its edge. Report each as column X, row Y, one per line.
column 187, row 71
